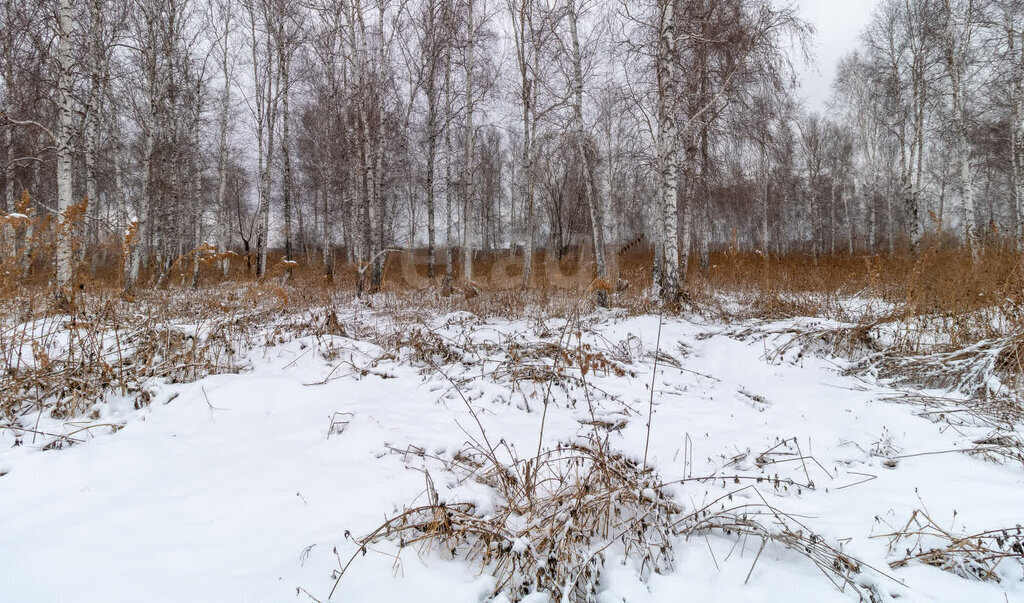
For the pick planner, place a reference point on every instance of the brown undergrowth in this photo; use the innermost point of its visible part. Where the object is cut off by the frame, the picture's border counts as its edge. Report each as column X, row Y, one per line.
column 558, row 515
column 938, row 320
column 915, row 317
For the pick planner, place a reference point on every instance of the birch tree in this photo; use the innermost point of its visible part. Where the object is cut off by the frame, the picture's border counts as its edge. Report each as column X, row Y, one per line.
column 532, row 27
column 148, row 37
column 266, row 78
column 222, row 18
column 957, row 31
column 468, row 170
column 65, row 130
column 287, row 38
column 432, row 42
column 1010, row 14
column 666, row 266
column 584, row 162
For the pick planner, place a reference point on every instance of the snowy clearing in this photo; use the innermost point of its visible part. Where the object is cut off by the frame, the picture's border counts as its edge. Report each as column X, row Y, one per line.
column 255, row 486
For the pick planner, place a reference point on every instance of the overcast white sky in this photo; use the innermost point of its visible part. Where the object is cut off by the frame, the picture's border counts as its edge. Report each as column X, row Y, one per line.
column 839, row 23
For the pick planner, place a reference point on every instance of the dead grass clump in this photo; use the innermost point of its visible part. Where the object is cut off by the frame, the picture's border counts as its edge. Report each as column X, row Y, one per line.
column 422, row 347
column 768, row 524
column 183, row 355
column 983, row 370
column 774, row 305
column 265, row 292
column 558, row 517
column 1001, row 447
column 963, row 299
column 324, row 321
column 1001, row 413
column 63, row 365
column 1009, row 361
column 974, row 557
column 544, row 362
column 848, row 340
column 554, row 519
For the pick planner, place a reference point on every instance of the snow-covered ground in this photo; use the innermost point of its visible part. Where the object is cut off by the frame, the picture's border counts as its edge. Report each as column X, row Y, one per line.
column 252, row 486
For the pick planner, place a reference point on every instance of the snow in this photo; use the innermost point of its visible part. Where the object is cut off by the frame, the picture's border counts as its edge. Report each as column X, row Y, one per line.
column 237, row 488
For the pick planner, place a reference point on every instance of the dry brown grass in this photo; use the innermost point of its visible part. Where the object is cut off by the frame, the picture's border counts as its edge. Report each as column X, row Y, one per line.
column 970, row 556
column 942, row 281
column 555, row 517
column 597, row 497
column 946, row 321
column 62, row 365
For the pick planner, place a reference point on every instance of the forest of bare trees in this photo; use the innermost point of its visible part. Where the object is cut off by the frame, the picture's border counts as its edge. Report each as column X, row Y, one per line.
column 451, row 301
column 152, row 135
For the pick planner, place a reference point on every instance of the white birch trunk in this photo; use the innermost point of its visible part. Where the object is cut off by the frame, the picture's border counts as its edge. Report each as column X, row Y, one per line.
column 65, row 114
column 9, row 203
column 222, row 149
column 667, row 153
column 869, row 200
column 849, row 219
column 91, row 125
column 196, row 190
column 433, row 42
column 590, row 189
column 956, row 51
column 285, row 75
column 468, row 174
column 449, row 269
column 525, row 35
column 266, row 120
column 832, row 216
column 136, row 229
column 765, row 198
column 1016, row 84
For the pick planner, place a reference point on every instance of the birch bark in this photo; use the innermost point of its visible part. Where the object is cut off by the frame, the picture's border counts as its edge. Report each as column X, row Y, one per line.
column 468, row 174
column 667, row 155
column 65, row 115
column 590, row 188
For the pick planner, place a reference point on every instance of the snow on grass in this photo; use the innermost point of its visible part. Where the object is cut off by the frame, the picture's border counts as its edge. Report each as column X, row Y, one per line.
column 254, row 485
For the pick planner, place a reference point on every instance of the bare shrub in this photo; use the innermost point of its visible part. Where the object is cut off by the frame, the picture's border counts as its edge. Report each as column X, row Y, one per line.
column 555, row 517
